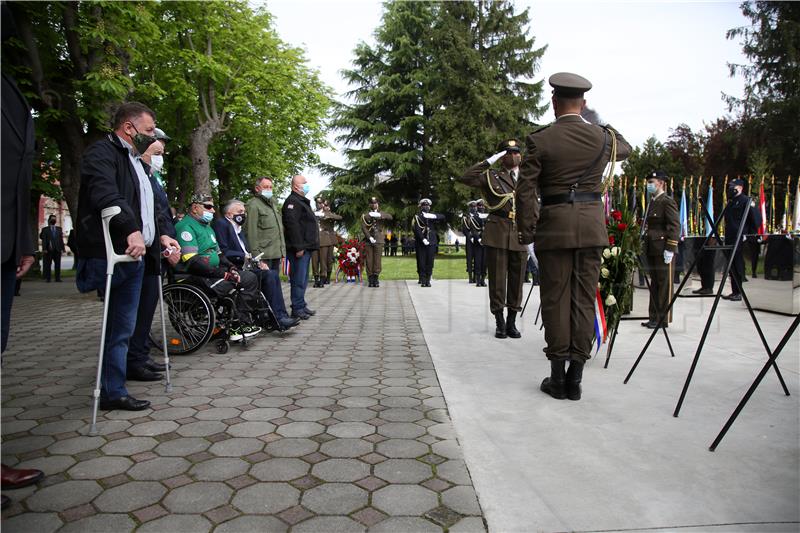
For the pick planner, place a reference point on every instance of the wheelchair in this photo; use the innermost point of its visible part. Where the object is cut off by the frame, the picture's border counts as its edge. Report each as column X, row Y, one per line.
column 196, row 315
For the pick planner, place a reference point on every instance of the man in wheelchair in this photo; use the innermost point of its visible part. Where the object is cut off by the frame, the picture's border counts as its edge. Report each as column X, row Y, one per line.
column 201, row 257
column 234, row 247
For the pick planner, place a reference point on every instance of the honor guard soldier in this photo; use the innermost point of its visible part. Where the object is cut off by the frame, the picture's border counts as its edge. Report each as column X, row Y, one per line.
column 505, row 256
column 564, row 165
column 477, row 222
column 372, row 227
column 322, row 259
column 427, row 240
column 734, row 213
column 334, row 238
column 660, row 232
column 465, row 229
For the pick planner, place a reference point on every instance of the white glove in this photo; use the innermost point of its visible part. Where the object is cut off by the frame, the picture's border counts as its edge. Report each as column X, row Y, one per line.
column 319, row 214
column 744, row 238
column 425, row 242
column 668, row 256
column 483, row 215
column 480, row 241
column 375, row 214
column 495, row 157
column 372, row 240
column 428, row 215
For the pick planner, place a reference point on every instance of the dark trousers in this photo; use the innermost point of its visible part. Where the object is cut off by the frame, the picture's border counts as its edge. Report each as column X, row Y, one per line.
column 479, row 256
column 660, row 286
column 298, row 278
column 320, row 261
column 425, row 257
column 373, row 259
column 140, row 345
column 55, row 258
column 705, row 265
column 274, row 264
column 737, row 269
column 506, row 276
column 568, row 291
column 9, row 278
column 470, row 256
column 271, row 289
column 246, row 302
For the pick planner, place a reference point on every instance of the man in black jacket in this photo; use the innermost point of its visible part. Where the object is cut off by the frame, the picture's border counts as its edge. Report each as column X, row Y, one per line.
column 301, row 229
column 52, row 247
column 738, row 202
column 112, row 174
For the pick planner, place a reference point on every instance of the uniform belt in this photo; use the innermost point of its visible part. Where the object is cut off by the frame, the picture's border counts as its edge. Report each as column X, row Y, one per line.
column 501, row 215
column 570, row 197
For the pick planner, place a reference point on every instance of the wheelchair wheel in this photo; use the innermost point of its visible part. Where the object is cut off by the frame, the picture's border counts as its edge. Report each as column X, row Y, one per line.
column 223, row 346
column 190, row 319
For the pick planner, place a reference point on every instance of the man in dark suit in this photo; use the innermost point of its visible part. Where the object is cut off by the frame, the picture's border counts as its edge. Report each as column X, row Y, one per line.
column 234, row 247
column 564, row 165
column 52, row 247
column 738, row 202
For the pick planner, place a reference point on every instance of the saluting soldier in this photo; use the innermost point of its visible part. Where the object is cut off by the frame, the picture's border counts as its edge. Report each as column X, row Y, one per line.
column 425, row 233
column 334, row 239
column 564, row 164
column 477, row 222
column 661, row 230
column 465, row 229
column 322, row 259
column 372, row 227
column 505, row 256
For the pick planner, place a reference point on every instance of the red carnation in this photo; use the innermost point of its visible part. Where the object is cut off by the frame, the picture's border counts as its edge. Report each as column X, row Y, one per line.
column 611, row 240
column 616, row 215
column 622, row 226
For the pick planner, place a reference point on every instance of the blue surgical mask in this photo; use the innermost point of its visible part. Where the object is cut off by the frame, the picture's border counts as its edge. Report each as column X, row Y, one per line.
column 306, row 188
column 651, row 188
column 207, row 217
column 266, row 193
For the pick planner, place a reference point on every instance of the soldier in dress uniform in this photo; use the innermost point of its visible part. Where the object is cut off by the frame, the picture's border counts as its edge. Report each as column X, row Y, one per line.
column 505, row 256
column 427, row 240
column 477, row 222
column 322, row 259
column 372, row 228
column 661, row 230
column 334, row 238
column 564, row 164
column 465, row 229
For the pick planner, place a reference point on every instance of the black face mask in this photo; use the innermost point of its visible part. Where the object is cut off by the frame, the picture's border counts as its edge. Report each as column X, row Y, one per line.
column 239, row 219
column 51, row 222
column 732, row 191
column 141, row 141
column 426, row 209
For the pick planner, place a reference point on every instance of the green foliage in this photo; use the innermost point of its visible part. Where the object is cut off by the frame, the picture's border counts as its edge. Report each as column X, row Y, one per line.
column 654, row 155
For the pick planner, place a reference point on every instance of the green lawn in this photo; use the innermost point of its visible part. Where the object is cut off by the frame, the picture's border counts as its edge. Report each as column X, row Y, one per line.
column 450, row 266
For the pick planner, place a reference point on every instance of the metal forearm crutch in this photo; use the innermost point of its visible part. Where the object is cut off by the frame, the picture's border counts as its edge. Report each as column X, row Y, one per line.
column 168, row 387
column 112, row 259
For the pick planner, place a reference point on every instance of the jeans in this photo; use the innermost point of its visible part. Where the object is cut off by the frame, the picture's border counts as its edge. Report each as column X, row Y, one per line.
column 271, row 289
column 139, row 350
column 298, row 278
column 8, row 282
column 123, row 301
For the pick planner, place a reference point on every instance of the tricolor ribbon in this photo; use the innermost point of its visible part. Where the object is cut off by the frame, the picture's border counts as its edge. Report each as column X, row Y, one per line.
column 600, row 331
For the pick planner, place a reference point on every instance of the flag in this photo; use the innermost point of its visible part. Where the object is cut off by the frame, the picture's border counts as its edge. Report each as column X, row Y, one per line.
column 762, row 209
column 607, row 202
column 600, row 332
column 710, row 207
column 287, row 269
column 797, row 207
column 684, row 216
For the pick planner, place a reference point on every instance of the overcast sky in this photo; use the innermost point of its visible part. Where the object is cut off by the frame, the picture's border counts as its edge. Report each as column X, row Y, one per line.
column 653, row 65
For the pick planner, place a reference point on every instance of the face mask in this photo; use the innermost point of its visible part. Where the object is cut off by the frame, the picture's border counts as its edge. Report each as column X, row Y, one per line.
column 207, row 217
column 157, row 162
column 141, row 141
column 651, row 188
column 239, row 219
column 733, row 191
column 425, row 209
column 52, row 222
column 306, row 188
column 266, row 193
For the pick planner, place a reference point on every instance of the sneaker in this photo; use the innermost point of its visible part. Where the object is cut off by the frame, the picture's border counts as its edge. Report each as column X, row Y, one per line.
column 235, row 334
column 251, row 331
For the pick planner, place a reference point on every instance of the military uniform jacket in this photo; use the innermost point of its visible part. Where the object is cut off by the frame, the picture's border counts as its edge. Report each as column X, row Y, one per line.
column 423, row 228
column 475, row 224
column 663, row 225
column 373, row 227
column 556, row 157
column 734, row 212
column 466, row 229
column 500, row 230
column 327, row 233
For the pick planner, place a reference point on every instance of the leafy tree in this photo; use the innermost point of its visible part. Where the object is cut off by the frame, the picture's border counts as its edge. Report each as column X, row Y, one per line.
column 653, row 155
column 686, row 149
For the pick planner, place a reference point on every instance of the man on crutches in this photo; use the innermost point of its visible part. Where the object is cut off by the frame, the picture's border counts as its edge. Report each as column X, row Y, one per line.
column 112, row 175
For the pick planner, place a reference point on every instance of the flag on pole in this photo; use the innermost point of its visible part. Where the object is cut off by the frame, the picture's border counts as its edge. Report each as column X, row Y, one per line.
column 797, row 207
column 684, row 216
column 600, row 331
column 287, row 269
column 710, row 207
column 786, row 221
column 762, row 208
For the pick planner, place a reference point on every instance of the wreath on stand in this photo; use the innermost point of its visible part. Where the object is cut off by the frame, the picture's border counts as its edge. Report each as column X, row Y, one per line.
column 618, row 264
column 350, row 258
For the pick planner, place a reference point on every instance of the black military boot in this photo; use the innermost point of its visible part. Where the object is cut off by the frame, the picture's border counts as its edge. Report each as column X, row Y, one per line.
column 500, row 330
column 555, row 384
column 471, row 278
column 511, row 327
column 316, row 282
column 328, row 279
column 574, row 376
column 372, row 280
column 376, row 282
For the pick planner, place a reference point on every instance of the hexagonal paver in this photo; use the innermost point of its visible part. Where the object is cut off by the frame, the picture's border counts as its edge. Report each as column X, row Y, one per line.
column 403, row 471
column 263, row 414
column 182, row 447
column 406, row 523
column 265, row 524
column 346, row 448
column 401, row 448
column 151, row 429
column 63, row 496
column 341, row 470
column 300, row 429
column 469, row 524
column 102, row 522
column 266, row 498
column 219, row 469
column 201, row 429
column 129, row 446
column 251, row 429
column 280, row 469
column 236, row 447
column 308, row 414
column 462, row 499
column 404, row 500
column 197, row 497
column 49, row 465
column 100, row 467
column 218, row 413
column 335, row 498
column 130, row 496
column 184, row 523
column 33, row 523
column 71, row 446
column 401, row 415
column 173, row 413
column 291, row 447
column 354, row 415
column 351, row 430
column 329, row 524
column 159, row 468
column 454, row 471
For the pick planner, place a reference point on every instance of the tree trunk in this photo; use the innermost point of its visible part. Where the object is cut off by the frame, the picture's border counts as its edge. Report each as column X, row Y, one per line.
column 199, row 140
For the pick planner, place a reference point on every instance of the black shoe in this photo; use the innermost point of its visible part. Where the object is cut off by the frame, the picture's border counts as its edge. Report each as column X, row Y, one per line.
column 327, row 279
column 511, row 327
column 142, row 373
column 734, row 297
column 743, row 279
column 647, row 323
column 702, row 291
column 125, row 403
column 500, row 329
column 316, row 282
column 287, row 322
column 154, row 366
column 574, row 377
column 471, row 278
column 59, row 281
column 377, row 281
column 310, row 312
column 654, row 325
column 527, row 278
column 555, row 385
column 302, row 315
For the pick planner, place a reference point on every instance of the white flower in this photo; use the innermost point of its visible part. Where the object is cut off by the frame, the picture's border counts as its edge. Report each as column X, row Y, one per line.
column 602, row 260
column 604, row 272
column 615, row 251
column 606, row 253
column 611, row 300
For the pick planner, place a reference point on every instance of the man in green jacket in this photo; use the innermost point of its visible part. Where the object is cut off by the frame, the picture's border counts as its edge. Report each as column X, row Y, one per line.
column 264, row 228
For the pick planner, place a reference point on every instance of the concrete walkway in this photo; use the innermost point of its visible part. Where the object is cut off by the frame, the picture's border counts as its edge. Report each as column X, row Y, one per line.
column 338, row 425
column 617, row 459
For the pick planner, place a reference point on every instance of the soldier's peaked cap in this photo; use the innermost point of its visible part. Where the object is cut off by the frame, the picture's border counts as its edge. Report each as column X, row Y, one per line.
column 373, row 200
column 425, row 201
column 737, row 181
column 161, row 136
column 472, row 202
column 659, row 175
column 569, row 85
column 508, row 145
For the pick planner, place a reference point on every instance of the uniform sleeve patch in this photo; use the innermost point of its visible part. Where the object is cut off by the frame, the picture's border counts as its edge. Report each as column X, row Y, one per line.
column 186, row 236
column 290, row 206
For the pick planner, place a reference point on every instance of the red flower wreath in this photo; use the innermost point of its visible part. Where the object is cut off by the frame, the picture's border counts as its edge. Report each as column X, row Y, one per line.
column 351, row 257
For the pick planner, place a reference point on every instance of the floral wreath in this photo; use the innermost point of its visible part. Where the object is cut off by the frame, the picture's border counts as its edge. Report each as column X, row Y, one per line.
column 618, row 263
column 350, row 258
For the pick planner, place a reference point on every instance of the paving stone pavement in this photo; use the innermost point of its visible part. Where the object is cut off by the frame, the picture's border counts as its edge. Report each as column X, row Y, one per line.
column 337, row 425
